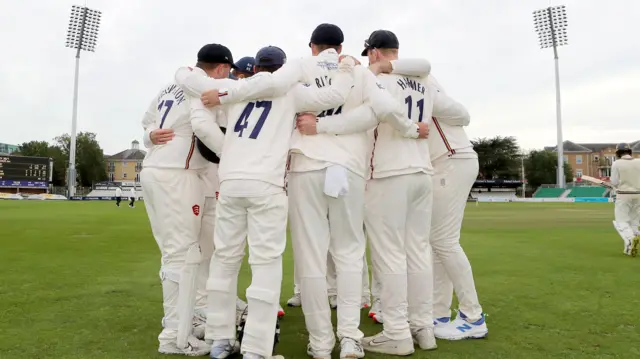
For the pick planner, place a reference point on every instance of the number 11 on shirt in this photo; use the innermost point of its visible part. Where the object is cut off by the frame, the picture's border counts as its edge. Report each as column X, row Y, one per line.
column 419, row 103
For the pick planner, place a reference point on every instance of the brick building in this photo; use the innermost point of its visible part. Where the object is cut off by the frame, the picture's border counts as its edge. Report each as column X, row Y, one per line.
column 592, row 159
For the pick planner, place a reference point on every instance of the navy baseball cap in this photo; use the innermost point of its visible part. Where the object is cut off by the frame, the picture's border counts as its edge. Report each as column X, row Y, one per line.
column 381, row 39
column 327, row 34
column 216, row 54
column 271, row 56
column 245, row 64
column 623, row 147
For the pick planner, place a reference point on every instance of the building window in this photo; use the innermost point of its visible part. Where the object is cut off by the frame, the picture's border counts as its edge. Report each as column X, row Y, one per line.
column 138, row 166
column 138, row 177
column 566, row 158
column 579, row 173
column 111, row 177
column 124, row 175
column 579, row 159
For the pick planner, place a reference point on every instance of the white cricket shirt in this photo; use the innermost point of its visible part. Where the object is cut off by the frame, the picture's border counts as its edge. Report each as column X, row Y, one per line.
column 258, row 138
column 447, row 136
column 171, row 109
column 625, row 175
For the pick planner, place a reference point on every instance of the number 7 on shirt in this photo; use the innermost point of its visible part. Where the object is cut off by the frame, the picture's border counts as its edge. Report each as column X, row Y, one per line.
column 243, row 122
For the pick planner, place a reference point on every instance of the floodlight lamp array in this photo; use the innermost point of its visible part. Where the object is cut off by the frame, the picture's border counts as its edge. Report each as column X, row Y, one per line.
column 551, row 25
column 84, row 24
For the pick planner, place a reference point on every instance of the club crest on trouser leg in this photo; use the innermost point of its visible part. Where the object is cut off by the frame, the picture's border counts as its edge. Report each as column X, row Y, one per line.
column 240, row 330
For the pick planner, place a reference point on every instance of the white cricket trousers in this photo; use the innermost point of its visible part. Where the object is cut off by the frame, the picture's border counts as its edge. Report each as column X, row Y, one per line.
column 332, row 277
column 452, row 183
column 174, row 199
column 627, row 215
column 397, row 218
column 319, row 225
column 263, row 221
column 206, row 246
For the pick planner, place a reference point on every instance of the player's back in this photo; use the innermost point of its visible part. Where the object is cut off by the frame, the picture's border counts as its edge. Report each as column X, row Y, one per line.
column 346, row 150
column 392, row 152
column 257, row 140
column 629, row 174
column 171, row 110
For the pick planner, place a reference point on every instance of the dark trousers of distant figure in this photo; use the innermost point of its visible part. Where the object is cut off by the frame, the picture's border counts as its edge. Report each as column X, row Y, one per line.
column 133, row 200
column 118, row 200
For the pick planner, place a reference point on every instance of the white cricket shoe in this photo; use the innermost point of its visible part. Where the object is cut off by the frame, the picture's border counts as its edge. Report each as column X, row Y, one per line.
column 441, row 321
column 366, row 302
column 199, row 323
column 221, row 349
column 425, row 338
column 333, row 301
column 379, row 343
column 461, row 328
column 195, row 348
column 315, row 354
column 280, row 312
column 256, row 356
column 350, row 349
column 295, row 301
column 375, row 307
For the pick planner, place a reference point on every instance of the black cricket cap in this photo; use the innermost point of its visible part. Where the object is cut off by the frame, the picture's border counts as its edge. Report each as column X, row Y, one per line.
column 215, row 54
column 271, row 56
column 381, row 39
column 327, row 34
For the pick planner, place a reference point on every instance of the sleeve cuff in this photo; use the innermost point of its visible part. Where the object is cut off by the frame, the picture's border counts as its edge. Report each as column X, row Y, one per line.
column 146, row 140
column 320, row 126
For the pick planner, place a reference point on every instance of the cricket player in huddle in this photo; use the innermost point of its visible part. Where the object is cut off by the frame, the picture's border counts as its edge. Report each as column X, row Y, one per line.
column 456, row 168
column 257, row 190
column 175, row 215
column 318, row 186
column 398, row 203
column 625, row 177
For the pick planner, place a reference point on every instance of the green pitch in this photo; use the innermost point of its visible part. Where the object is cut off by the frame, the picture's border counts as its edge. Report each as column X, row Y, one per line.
column 80, row 280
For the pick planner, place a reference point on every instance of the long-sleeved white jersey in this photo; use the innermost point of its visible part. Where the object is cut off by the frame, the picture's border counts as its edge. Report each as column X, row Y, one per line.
column 258, row 155
column 350, row 150
column 258, row 137
column 170, row 109
column 391, row 153
column 625, row 175
column 448, row 136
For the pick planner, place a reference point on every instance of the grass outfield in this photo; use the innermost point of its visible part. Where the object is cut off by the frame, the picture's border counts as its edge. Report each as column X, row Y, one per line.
column 80, row 280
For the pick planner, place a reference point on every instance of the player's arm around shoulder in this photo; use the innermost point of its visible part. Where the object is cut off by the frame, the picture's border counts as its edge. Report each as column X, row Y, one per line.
column 357, row 120
column 204, row 125
column 411, row 67
column 194, row 81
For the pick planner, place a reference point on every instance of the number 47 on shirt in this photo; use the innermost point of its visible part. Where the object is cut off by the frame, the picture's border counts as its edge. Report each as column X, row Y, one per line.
column 243, row 122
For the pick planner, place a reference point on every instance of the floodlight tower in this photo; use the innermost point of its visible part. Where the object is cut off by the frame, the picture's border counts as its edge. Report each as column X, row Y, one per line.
column 551, row 26
column 82, row 34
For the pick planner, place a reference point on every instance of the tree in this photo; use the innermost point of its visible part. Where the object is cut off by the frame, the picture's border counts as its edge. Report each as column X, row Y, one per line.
column 34, row 149
column 499, row 157
column 90, row 165
column 44, row 149
column 540, row 168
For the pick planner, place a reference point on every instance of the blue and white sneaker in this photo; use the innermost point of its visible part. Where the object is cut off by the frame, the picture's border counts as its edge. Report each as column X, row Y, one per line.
column 461, row 328
column 221, row 349
column 440, row 321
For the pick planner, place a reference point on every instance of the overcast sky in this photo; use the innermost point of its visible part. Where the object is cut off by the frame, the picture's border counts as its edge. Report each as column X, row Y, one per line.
column 484, row 52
